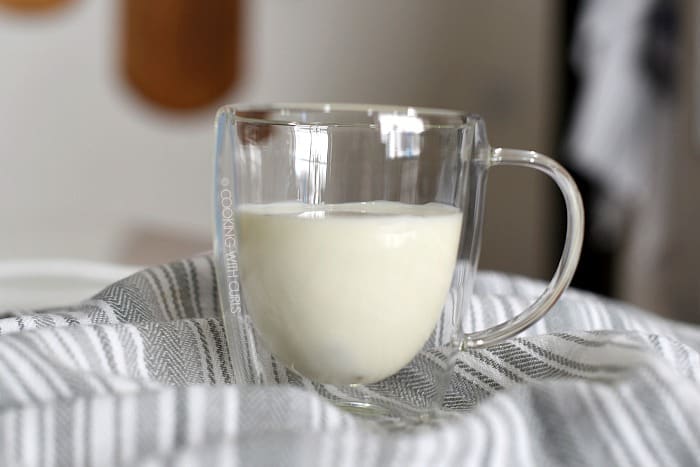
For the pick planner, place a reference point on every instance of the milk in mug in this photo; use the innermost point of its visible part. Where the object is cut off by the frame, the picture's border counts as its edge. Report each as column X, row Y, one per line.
column 346, row 293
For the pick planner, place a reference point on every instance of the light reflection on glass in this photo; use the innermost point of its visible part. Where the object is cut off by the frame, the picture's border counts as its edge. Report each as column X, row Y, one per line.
column 401, row 134
column 311, row 162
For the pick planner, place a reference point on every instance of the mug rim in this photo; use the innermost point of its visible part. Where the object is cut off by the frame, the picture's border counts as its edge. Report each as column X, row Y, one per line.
column 340, row 107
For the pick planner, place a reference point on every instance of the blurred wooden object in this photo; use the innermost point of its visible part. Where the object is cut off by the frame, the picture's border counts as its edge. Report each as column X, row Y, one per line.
column 33, row 5
column 181, row 54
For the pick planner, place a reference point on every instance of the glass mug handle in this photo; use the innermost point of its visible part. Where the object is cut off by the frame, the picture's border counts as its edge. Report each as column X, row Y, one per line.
column 569, row 257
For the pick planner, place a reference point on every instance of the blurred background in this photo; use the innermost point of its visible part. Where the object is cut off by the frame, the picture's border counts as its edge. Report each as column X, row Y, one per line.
column 107, row 107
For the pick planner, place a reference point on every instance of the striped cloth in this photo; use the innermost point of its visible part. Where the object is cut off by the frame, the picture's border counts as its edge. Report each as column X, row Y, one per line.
column 139, row 375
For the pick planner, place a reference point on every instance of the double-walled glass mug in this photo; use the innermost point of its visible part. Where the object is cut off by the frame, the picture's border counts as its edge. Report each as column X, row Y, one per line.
column 346, row 245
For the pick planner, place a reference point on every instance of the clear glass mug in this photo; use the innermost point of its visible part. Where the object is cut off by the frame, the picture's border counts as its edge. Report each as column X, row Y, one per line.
column 346, row 244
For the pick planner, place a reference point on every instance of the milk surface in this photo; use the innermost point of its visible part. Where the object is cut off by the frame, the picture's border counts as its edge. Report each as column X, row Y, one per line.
column 346, row 293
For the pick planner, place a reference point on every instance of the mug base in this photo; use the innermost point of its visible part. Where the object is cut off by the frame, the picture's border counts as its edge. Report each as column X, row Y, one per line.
column 364, row 409
column 387, row 417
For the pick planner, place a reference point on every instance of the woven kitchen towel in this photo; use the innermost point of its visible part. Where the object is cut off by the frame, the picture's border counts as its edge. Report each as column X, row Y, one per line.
column 139, row 375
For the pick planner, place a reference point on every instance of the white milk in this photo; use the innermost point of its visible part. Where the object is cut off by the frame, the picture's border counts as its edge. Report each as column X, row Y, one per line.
column 346, row 293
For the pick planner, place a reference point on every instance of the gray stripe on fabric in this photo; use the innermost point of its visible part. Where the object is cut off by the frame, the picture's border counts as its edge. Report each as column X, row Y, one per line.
column 168, row 312
column 7, row 440
column 69, row 318
column 619, row 438
column 190, row 360
column 107, row 348
column 410, row 452
column 557, row 427
column 612, row 446
column 87, row 432
column 174, row 291
column 29, row 357
column 205, row 351
column 656, row 343
column 462, row 448
column 10, row 396
column 98, row 314
column 472, row 442
column 248, row 355
column 579, row 340
column 40, row 434
column 118, row 422
column 86, row 344
column 129, row 347
column 18, row 430
column 214, row 411
column 50, row 418
column 144, row 299
column 465, row 392
column 386, row 450
column 76, row 438
column 192, row 274
column 513, row 419
column 633, row 433
column 181, row 418
column 49, row 351
column 164, row 353
column 20, row 322
column 215, row 287
column 221, row 350
column 497, row 366
column 3, row 329
column 564, row 361
column 486, row 459
column 525, row 362
column 8, row 363
column 275, row 371
column 670, row 402
column 128, row 299
column 44, row 320
column 479, row 375
column 147, row 420
column 645, row 425
column 183, row 289
column 501, row 430
column 683, row 359
column 62, row 342
column 96, row 368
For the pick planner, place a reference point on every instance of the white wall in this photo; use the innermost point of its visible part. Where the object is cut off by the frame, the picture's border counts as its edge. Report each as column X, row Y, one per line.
column 88, row 170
